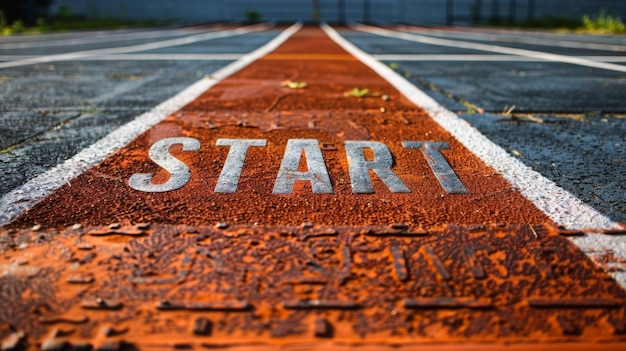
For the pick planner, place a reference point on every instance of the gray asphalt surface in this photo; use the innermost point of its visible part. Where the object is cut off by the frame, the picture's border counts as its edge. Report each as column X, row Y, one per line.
column 51, row 111
column 565, row 121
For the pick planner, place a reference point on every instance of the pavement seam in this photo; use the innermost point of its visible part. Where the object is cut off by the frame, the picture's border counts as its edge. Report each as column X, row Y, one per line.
column 119, row 90
column 23, row 141
column 471, row 108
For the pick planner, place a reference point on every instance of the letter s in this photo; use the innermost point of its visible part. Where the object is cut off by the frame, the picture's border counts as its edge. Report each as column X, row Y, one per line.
column 159, row 153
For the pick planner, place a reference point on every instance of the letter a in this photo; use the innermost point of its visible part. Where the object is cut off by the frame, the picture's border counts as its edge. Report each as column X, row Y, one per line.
column 317, row 173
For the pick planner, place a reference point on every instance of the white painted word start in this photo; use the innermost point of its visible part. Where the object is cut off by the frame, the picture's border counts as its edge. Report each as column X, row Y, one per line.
column 316, row 174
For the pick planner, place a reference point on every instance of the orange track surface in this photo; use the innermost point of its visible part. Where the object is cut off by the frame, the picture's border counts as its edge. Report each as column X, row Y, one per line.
column 427, row 269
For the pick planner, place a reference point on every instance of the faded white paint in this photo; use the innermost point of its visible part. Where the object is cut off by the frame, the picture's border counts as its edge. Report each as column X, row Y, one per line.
column 236, row 159
column 159, row 153
column 316, row 173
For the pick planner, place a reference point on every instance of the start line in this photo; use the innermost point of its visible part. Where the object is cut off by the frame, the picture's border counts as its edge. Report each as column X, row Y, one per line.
column 359, row 164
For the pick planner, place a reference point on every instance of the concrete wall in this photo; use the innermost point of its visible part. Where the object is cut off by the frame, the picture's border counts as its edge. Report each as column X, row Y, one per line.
column 380, row 11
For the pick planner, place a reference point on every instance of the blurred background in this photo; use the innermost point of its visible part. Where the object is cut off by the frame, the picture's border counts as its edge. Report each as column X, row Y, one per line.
column 19, row 15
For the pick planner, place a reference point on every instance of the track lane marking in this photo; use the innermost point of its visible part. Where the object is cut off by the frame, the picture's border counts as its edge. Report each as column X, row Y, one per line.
column 558, row 204
column 140, row 57
column 489, row 48
column 482, row 58
column 518, row 39
column 26, row 196
column 381, row 57
column 101, row 37
column 133, row 48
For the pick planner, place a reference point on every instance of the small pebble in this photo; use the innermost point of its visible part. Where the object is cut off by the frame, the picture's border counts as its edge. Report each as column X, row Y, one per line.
column 20, row 261
column 12, row 341
column 143, row 226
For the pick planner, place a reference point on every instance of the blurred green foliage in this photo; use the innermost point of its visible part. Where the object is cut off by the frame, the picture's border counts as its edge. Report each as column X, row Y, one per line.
column 603, row 24
column 64, row 19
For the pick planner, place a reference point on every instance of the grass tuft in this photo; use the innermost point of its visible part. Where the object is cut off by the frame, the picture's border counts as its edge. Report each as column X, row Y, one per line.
column 603, row 24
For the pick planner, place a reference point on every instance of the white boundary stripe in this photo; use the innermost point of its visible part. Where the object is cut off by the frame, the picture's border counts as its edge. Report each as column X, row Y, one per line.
column 598, row 246
column 561, row 206
column 134, row 48
column 512, row 39
column 158, row 57
column 381, row 57
column 482, row 58
column 26, row 196
column 490, row 48
column 140, row 57
column 97, row 37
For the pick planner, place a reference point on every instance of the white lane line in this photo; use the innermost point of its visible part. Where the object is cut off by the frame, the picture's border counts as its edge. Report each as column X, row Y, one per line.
column 168, row 57
column 134, row 48
column 381, row 57
column 552, row 42
column 92, row 38
column 561, row 206
column 606, row 58
column 481, row 58
column 449, row 57
column 60, row 36
column 27, row 195
column 141, row 57
column 490, row 48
